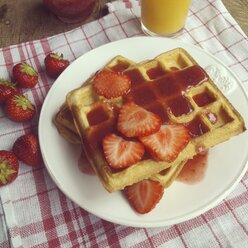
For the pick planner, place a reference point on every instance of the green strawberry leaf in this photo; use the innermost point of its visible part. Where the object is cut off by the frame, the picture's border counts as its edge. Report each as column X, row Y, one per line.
column 7, row 83
column 23, row 102
column 28, row 69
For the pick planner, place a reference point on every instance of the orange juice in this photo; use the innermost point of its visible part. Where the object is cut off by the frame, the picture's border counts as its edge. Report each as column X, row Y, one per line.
column 164, row 17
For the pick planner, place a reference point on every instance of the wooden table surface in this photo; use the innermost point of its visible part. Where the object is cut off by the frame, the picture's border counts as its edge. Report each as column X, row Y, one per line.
column 25, row 20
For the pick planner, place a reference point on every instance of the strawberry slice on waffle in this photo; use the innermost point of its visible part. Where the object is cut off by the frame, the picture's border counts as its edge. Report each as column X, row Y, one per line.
column 135, row 121
column 121, row 153
column 111, row 84
column 167, row 143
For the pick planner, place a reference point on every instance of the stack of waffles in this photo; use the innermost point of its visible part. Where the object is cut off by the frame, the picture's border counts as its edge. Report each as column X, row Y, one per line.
column 172, row 86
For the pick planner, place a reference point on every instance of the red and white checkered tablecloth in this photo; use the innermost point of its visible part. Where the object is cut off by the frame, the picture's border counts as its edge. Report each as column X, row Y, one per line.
column 34, row 213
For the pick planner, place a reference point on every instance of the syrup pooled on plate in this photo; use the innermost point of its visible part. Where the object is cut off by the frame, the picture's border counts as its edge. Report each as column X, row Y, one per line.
column 194, row 170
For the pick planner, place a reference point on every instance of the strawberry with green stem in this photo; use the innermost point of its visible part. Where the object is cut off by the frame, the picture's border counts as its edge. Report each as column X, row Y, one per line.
column 9, row 167
column 55, row 64
column 25, row 75
column 18, row 108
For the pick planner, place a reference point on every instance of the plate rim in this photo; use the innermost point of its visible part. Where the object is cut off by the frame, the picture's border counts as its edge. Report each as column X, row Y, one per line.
column 145, row 224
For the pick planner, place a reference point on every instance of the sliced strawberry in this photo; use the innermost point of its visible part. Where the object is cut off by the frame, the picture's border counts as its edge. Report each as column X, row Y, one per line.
column 111, row 84
column 136, row 121
column 144, row 195
column 168, row 142
column 121, row 153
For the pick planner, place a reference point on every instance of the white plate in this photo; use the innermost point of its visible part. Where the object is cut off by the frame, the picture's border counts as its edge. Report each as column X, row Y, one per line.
column 226, row 164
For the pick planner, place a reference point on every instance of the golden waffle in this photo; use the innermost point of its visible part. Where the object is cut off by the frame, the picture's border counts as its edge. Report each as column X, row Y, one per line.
column 167, row 177
column 64, row 123
column 173, row 86
column 63, row 120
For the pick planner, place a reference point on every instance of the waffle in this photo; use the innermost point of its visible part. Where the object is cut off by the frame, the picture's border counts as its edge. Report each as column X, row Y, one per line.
column 168, row 176
column 64, row 122
column 171, row 85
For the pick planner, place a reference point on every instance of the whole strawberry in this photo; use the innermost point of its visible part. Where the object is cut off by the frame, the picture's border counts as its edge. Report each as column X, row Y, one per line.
column 55, row 64
column 18, row 108
column 25, row 75
column 9, row 167
column 7, row 88
column 27, row 149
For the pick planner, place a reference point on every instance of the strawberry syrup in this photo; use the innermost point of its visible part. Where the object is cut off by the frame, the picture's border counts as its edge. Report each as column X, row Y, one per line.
column 194, row 170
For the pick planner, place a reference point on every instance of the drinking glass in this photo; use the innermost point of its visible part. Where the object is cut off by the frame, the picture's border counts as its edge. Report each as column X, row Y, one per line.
column 164, row 17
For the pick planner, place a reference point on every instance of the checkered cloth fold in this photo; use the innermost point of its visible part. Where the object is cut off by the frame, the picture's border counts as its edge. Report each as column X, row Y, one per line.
column 33, row 211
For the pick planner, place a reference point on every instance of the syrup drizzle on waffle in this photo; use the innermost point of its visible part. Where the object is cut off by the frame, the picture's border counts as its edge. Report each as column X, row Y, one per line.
column 173, row 86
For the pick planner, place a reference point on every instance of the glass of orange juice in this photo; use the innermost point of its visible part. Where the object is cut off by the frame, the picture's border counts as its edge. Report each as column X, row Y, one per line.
column 164, row 17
